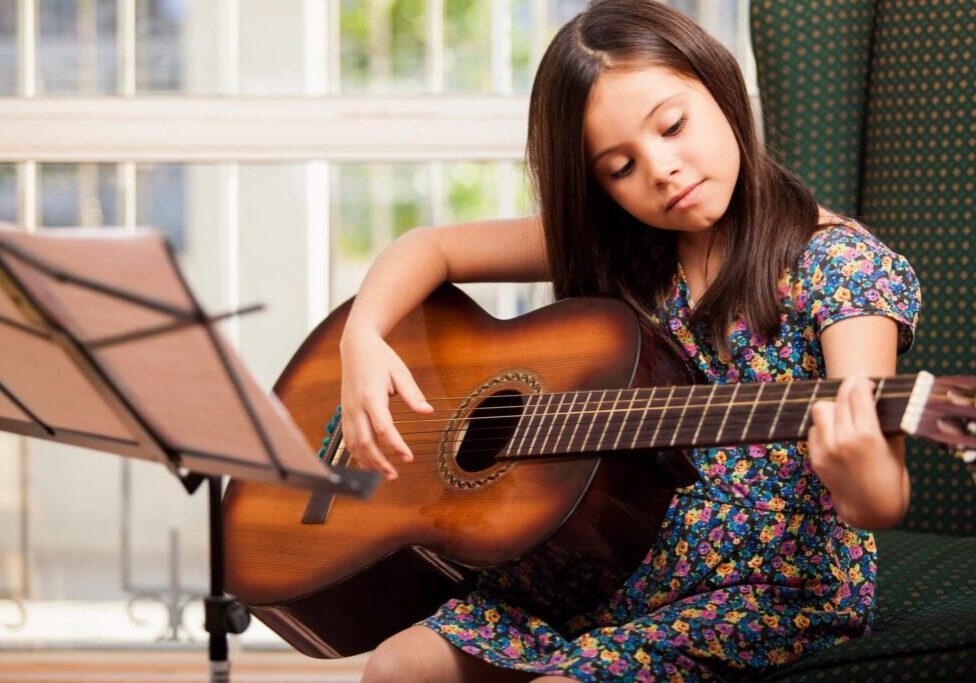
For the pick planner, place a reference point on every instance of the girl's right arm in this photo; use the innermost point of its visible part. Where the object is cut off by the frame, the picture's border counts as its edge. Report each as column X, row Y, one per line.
column 402, row 276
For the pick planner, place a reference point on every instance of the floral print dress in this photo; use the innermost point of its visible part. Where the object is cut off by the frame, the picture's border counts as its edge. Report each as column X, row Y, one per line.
column 752, row 568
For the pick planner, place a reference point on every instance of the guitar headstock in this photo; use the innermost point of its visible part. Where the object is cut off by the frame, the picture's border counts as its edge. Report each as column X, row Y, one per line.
column 943, row 409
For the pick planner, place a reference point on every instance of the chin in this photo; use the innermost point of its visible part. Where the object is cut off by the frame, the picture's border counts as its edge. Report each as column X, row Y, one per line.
column 697, row 224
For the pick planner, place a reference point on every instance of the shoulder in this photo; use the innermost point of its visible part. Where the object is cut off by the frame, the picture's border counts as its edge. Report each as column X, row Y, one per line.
column 849, row 250
column 833, row 241
column 847, row 271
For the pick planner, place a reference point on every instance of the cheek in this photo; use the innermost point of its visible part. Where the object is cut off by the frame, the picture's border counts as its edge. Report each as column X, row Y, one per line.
column 729, row 154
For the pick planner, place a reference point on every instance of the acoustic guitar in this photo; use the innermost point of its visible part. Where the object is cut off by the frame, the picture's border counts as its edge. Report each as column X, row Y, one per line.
column 560, row 433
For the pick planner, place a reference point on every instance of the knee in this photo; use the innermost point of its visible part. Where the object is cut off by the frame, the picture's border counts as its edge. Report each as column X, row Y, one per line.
column 386, row 664
column 406, row 656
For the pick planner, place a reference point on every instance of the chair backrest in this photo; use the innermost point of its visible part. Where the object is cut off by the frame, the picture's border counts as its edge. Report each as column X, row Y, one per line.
column 873, row 104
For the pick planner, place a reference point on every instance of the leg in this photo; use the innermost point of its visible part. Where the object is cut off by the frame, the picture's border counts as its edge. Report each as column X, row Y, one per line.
column 418, row 654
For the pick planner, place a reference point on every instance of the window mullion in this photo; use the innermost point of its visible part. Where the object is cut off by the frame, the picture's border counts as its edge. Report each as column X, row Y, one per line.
column 125, row 172
column 318, row 248
column 126, row 55
column 334, row 47
column 228, row 194
column 539, row 30
column 501, row 46
column 27, row 48
column 27, row 195
column 435, row 192
column 435, row 46
column 315, row 47
column 27, row 87
column 228, row 41
column 507, row 292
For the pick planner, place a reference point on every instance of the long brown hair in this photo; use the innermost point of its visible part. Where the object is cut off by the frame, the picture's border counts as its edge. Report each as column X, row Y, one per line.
column 596, row 247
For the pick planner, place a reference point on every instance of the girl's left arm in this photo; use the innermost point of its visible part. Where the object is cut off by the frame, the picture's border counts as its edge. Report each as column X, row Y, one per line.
column 864, row 470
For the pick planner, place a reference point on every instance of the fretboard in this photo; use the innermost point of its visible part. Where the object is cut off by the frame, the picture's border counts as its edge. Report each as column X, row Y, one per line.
column 697, row 415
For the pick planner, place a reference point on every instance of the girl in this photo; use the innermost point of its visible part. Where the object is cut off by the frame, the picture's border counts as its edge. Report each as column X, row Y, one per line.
column 653, row 187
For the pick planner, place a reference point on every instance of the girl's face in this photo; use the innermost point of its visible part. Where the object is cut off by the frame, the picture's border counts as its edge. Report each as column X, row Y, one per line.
column 660, row 146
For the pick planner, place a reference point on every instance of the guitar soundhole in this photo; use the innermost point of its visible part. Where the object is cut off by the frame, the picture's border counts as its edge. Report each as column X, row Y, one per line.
column 488, row 430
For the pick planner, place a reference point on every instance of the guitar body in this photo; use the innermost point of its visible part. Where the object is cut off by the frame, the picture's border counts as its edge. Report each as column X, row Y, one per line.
column 375, row 567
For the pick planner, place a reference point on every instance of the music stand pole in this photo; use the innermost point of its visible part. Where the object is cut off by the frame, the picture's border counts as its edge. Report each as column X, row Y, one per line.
column 223, row 615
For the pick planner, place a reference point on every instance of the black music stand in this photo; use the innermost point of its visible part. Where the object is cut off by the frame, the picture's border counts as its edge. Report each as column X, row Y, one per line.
column 103, row 345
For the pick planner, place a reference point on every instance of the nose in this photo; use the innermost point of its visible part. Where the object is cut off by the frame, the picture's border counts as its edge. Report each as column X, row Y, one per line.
column 663, row 163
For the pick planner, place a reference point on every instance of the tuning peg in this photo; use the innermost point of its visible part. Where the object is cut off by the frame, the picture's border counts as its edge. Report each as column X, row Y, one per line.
column 967, row 455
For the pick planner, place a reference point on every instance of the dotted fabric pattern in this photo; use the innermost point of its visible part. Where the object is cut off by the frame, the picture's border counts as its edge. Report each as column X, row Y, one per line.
column 925, row 628
column 873, row 104
column 812, row 60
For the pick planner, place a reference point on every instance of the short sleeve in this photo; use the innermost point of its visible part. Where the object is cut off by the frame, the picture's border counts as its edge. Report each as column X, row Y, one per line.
column 848, row 272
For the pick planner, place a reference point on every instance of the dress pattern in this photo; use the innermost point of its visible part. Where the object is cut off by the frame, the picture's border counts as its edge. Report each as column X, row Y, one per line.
column 752, row 568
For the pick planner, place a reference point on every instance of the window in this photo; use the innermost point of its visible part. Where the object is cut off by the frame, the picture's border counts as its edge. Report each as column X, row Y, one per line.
column 279, row 146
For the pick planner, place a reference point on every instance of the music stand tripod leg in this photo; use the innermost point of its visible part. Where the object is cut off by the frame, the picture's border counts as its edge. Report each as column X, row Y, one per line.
column 222, row 614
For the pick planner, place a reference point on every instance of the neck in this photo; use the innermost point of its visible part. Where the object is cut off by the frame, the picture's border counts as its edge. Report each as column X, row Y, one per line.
column 696, row 416
column 695, row 258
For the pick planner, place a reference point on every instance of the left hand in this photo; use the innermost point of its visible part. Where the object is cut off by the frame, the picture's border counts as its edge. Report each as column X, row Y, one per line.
column 854, row 459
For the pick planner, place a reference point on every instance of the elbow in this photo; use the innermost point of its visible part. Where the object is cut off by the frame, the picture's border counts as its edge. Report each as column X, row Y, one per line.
column 873, row 519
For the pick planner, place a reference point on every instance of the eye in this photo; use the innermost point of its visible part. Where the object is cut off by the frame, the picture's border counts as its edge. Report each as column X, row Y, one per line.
column 676, row 128
column 623, row 171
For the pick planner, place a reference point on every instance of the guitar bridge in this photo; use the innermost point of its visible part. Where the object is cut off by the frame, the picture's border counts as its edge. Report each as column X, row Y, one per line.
column 320, row 502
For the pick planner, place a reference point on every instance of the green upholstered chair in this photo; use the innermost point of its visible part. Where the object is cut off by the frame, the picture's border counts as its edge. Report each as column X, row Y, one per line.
column 873, row 104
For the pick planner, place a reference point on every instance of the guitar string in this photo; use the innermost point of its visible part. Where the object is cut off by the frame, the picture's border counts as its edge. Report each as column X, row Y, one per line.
column 674, row 406
column 677, row 402
column 796, row 384
column 732, row 426
column 671, row 418
column 644, row 394
column 670, row 415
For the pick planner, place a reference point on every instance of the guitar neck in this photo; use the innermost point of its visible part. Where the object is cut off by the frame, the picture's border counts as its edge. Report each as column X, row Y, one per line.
column 694, row 416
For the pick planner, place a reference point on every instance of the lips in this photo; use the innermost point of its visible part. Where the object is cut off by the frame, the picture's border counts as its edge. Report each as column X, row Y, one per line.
column 681, row 195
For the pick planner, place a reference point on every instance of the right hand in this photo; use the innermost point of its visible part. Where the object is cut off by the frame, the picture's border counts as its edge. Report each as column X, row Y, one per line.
column 372, row 372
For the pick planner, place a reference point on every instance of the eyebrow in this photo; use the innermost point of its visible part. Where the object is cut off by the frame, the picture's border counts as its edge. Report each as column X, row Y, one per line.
column 649, row 115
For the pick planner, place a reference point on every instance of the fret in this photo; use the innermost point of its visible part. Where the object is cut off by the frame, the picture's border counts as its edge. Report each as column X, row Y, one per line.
column 796, row 412
column 660, row 418
column 879, row 389
column 542, row 420
column 642, row 420
column 701, row 420
column 593, row 416
column 606, row 423
column 518, row 443
column 571, row 445
column 779, row 409
column 626, row 414
column 542, row 448
column 806, row 413
column 561, row 421
column 623, row 423
column 728, row 409
column 752, row 411
column 684, row 409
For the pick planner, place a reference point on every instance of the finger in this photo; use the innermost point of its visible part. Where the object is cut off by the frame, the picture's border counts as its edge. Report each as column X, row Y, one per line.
column 814, row 441
column 843, row 422
column 863, row 410
column 822, row 413
column 385, row 430
column 406, row 388
column 368, row 451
